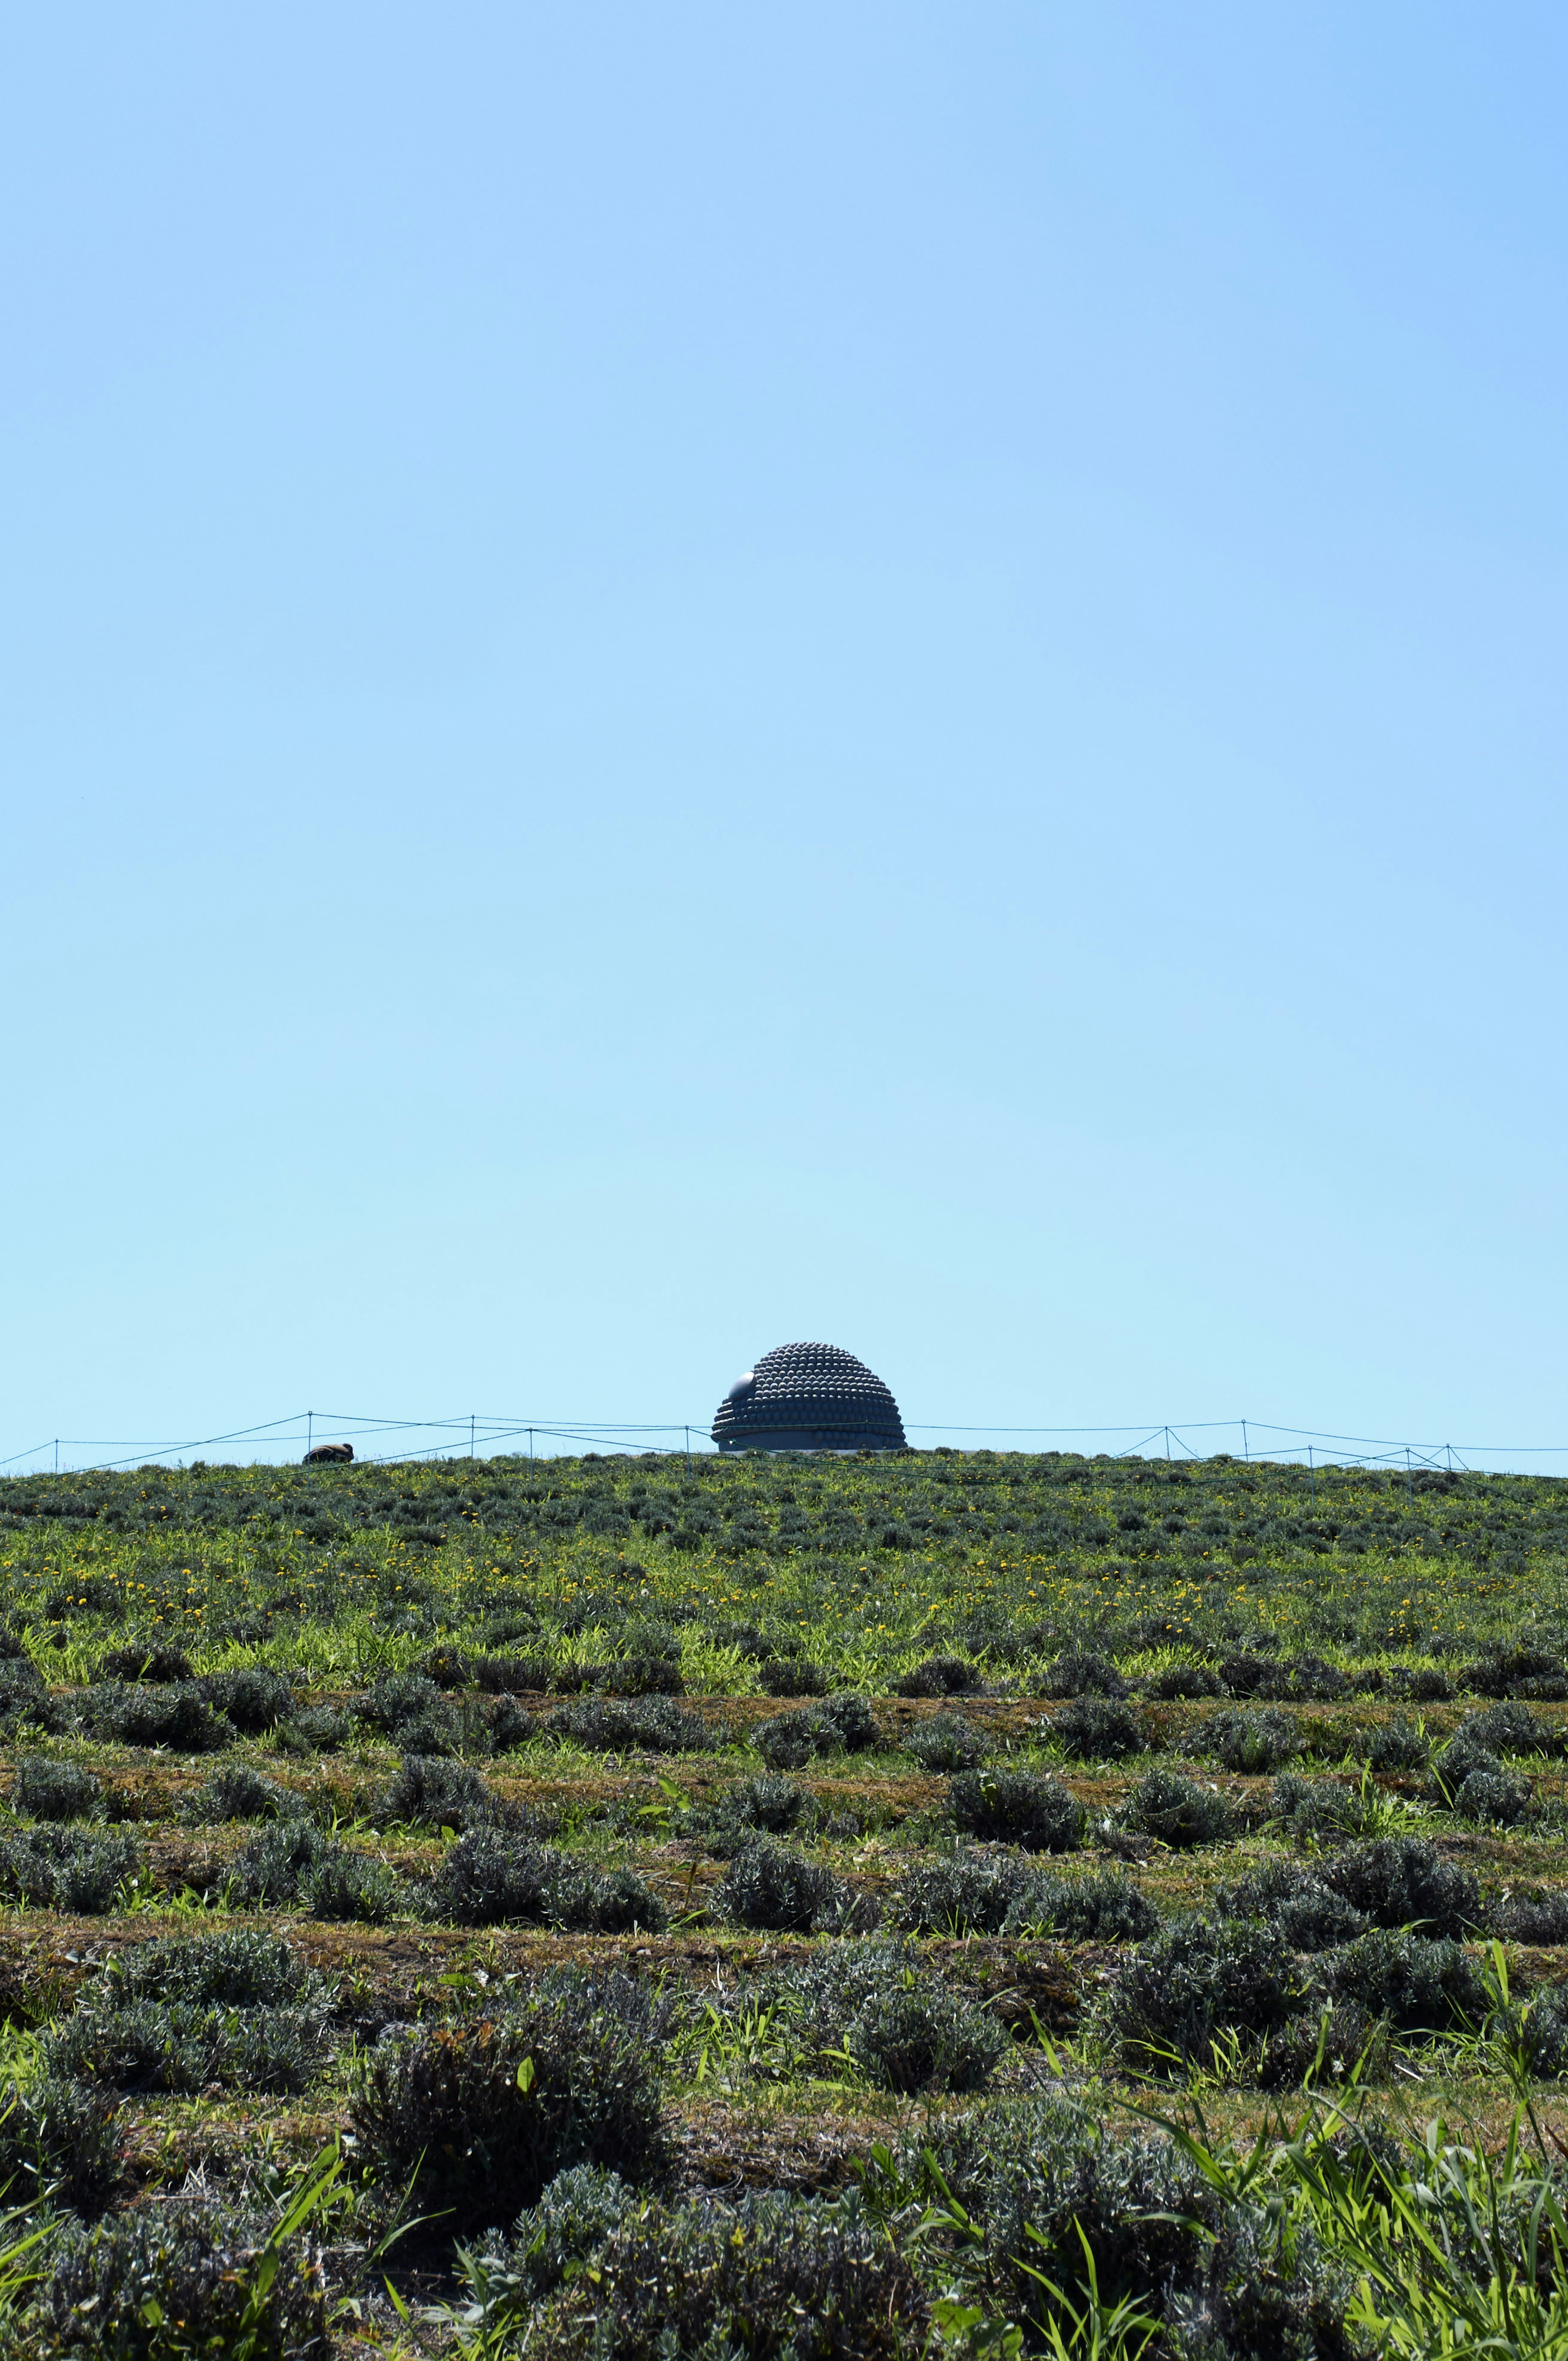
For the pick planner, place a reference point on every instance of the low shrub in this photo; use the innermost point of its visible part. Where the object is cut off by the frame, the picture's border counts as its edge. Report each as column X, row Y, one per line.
column 940, row 1677
column 778, row 2279
column 1306, row 1914
column 844, row 1724
column 488, row 1878
column 446, row 1668
column 625, row 1725
column 411, row 1711
column 1177, row 1811
column 477, row 2119
column 344, row 1885
column 255, row 1698
column 1325, row 2047
column 145, row 1660
column 1195, row 1979
column 1515, row 1669
column 239, row 1966
column 177, row 1716
column 67, row 1869
column 151, row 2046
column 1095, row 1729
column 1300, row 1680
column 1399, row 1745
column 58, row 2139
column 643, row 1675
column 433, row 1792
column 768, row 1884
column 1405, row 1881
column 1082, row 1673
column 315, row 1730
column 1313, row 1809
column 915, row 2035
column 513, row 1675
column 51, row 1790
column 25, row 1701
column 185, row 2277
column 768, row 1802
column 1494, row 1798
column 269, row 1868
column 1420, row 1987
column 1510, row 1727
column 510, row 1725
column 1538, row 1916
column 1019, row 1807
column 992, row 1893
column 237, row 1791
column 791, row 1676
column 1251, row 1742
column 947, row 1742
column 1182, row 1681
column 576, row 2214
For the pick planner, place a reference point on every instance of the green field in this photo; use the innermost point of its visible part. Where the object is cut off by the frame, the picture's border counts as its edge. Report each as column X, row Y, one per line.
column 955, row 1903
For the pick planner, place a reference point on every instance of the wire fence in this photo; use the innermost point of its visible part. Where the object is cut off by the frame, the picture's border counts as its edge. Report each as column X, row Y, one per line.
column 380, row 1442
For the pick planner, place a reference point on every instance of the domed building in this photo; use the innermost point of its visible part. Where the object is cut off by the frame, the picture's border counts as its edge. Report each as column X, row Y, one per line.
column 809, row 1398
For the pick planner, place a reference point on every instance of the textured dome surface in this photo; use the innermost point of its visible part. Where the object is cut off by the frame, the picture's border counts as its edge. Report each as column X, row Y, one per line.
column 809, row 1398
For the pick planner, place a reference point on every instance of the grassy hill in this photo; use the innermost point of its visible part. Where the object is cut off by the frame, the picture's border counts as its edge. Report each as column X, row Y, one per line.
column 782, row 1899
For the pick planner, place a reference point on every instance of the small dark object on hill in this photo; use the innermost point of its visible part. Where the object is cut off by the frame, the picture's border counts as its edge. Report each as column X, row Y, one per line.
column 1404, row 1881
column 177, row 1717
column 939, row 1676
column 1195, row 1979
column 145, row 1660
column 623, row 1725
column 1018, row 1807
column 1082, row 1673
column 50, row 1790
column 187, row 2260
column 477, row 2119
column 1095, row 1729
column 1174, row 1681
column 770, row 1885
column 329, row 1454
column 1244, row 1742
column 947, row 1742
column 1177, row 1811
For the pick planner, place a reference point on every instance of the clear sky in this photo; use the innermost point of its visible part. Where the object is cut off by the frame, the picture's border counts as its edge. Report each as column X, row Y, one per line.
column 678, row 677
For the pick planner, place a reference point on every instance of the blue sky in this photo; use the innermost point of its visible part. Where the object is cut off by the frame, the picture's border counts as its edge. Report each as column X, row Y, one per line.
column 675, row 678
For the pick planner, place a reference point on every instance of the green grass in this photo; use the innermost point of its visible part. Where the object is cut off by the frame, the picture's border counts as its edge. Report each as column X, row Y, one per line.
column 747, row 1588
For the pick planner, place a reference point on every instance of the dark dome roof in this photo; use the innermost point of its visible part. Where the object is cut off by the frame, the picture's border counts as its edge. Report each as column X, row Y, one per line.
column 809, row 1398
